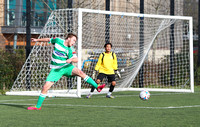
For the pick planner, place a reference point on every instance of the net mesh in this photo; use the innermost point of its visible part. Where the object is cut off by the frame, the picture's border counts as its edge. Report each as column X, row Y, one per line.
column 159, row 45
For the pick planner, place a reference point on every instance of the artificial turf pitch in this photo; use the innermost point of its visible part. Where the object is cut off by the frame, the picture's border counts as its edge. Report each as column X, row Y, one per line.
column 163, row 109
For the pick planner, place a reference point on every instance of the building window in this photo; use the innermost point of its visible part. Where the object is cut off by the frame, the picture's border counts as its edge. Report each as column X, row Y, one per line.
column 40, row 11
column 10, row 12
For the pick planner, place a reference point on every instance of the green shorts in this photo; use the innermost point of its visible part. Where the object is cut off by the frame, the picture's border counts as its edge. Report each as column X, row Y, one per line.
column 56, row 74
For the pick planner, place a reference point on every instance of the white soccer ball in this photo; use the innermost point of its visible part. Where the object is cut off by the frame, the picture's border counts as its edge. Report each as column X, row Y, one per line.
column 144, row 95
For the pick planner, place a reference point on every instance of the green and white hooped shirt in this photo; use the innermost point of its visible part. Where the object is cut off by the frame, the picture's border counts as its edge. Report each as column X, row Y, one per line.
column 60, row 53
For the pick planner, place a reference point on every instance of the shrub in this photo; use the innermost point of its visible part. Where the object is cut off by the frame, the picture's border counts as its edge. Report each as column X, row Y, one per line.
column 11, row 62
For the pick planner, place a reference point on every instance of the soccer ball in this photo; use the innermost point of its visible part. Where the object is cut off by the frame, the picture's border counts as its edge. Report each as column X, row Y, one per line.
column 144, row 95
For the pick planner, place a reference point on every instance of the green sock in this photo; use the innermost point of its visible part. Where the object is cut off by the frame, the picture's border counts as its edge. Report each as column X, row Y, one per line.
column 90, row 81
column 40, row 100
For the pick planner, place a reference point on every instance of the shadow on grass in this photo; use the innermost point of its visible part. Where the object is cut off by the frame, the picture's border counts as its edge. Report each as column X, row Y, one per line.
column 16, row 105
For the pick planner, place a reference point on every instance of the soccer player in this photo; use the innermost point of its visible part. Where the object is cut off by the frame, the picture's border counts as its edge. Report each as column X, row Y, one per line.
column 107, row 67
column 63, row 54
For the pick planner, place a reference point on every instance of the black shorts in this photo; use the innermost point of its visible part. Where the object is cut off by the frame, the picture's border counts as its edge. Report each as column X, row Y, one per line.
column 109, row 77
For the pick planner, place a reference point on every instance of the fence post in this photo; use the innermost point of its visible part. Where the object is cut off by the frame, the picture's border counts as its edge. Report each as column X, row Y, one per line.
column 198, row 55
column 28, row 40
column 107, row 23
column 141, row 72
column 172, row 45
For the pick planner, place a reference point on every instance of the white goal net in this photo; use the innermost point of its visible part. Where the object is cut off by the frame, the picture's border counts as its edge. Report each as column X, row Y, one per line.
column 154, row 52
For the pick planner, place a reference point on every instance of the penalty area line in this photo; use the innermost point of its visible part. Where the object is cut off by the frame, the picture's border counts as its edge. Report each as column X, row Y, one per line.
column 98, row 106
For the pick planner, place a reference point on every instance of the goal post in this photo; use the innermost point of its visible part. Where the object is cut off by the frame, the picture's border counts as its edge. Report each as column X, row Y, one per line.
column 124, row 34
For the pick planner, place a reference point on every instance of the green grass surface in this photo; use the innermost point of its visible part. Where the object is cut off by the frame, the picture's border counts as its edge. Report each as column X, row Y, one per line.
column 126, row 110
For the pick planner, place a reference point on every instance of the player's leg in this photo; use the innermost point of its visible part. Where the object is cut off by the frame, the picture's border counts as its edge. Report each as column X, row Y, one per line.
column 43, row 94
column 53, row 76
column 99, row 79
column 92, row 89
column 89, row 80
column 111, row 78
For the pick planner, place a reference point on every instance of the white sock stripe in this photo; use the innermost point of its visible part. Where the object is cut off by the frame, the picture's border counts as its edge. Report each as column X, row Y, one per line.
column 43, row 95
column 86, row 78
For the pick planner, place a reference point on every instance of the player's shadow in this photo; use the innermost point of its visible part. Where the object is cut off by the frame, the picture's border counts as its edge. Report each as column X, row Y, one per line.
column 15, row 105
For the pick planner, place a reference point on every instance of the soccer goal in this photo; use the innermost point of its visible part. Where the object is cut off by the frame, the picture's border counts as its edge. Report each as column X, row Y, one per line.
column 154, row 52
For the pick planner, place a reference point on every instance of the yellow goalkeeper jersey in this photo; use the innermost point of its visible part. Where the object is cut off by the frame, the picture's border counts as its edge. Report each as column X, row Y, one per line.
column 108, row 64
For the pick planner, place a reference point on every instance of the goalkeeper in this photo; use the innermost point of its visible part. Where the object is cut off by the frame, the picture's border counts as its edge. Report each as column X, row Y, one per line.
column 107, row 68
column 63, row 54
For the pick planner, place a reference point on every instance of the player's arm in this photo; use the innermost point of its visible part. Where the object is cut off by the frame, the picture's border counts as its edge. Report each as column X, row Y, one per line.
column 96, row 69
column 72, row 56
column 73, row 60
column 41, row 40
column 115, row 66
column 99, row 62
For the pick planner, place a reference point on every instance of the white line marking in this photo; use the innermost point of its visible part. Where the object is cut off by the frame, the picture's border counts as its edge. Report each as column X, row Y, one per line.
column 97, row 106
